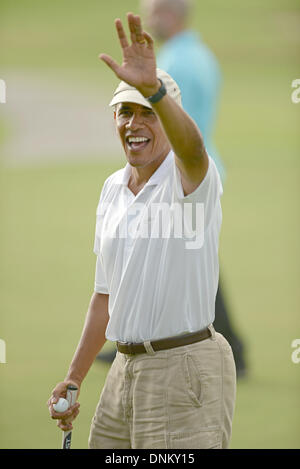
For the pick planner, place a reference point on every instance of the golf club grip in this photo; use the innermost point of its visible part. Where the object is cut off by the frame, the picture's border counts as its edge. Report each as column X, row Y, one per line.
column 71, row 398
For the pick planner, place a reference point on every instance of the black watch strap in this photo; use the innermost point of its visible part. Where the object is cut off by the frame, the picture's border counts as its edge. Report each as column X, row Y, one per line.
column 159, row 95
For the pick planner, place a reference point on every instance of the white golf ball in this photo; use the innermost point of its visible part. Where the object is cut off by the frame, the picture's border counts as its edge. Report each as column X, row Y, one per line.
column 61, row 406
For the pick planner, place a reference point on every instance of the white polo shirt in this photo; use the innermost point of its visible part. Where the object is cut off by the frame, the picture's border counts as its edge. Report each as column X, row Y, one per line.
column 157, row 253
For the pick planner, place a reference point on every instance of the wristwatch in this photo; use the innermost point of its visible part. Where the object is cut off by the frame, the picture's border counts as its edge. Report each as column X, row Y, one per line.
column 159, row 95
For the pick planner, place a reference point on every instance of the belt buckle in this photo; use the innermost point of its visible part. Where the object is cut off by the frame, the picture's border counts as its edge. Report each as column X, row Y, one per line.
column 129, row 347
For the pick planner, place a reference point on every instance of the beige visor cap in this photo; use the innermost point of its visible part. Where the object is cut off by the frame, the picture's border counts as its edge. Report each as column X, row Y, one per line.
column 128, row 94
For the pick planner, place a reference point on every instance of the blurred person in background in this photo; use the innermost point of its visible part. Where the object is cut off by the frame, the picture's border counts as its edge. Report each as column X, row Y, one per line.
column 196, row 70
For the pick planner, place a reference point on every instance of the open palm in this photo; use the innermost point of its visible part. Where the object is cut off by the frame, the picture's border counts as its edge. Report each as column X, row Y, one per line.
column 139, row 65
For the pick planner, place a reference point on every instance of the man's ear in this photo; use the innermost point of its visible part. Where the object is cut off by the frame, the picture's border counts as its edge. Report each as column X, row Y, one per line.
column 115, row 115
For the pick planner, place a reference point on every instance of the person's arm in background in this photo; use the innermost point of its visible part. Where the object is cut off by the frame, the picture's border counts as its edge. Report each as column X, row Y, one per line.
column 91, row 342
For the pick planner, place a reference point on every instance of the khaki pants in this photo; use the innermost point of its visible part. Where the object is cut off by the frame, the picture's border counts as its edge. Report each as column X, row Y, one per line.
column 178, row 398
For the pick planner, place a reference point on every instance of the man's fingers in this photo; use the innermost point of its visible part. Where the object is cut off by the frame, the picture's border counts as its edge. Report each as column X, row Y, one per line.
column 138, row 29
column 65, row 422
column 135, row 28
column 72, row 415
column 110, row 62
column 54, row 397
column 52, row 400
column 131, row 25
column 121, row 33
column 64, row 426
column 59, row 391
column 68, row 415
column 149, row 39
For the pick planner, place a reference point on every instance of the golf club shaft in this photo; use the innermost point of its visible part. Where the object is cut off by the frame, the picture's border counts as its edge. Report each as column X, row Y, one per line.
column 71, row 398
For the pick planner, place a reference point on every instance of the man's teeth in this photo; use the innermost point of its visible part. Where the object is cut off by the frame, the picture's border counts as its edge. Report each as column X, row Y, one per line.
column 137, row 139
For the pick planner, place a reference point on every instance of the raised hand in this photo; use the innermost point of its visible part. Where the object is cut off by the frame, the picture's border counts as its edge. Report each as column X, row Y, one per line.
column 139, row 65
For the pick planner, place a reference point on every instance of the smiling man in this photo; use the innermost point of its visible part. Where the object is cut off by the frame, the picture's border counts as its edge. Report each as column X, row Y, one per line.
column 172, row 383
column 142, row 136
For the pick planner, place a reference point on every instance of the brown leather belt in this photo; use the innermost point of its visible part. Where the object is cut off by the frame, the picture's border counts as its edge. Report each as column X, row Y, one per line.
column 164, row 344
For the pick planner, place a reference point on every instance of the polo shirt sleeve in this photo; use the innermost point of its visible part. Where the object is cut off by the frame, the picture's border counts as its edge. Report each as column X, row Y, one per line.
column 100, row 279
column 207, row 193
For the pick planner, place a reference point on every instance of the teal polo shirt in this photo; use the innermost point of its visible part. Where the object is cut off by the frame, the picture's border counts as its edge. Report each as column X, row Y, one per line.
column 196, row 70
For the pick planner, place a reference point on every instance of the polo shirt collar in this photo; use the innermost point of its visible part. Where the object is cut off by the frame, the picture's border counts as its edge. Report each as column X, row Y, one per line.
column 186, row 36
column 155, row 179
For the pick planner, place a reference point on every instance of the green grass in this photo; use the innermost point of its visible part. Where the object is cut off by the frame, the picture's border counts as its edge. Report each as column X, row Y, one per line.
column 47, row 279
column 46, row 282
column 48, row 216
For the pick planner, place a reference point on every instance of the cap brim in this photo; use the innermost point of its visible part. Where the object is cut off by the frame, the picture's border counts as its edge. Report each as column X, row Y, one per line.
column 130, row 96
